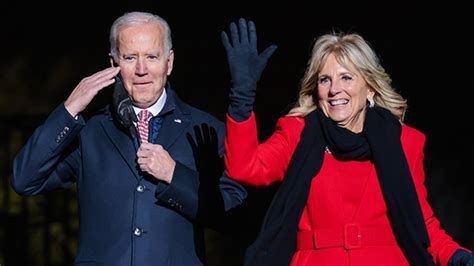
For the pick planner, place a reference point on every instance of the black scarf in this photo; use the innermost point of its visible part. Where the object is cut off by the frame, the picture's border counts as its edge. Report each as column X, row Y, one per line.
column 380, row 142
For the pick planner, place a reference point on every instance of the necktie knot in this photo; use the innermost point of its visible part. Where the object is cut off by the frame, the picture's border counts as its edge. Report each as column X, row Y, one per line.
column 143, row 118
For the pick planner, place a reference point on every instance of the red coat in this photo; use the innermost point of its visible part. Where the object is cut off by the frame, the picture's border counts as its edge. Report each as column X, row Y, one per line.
column 345, row 217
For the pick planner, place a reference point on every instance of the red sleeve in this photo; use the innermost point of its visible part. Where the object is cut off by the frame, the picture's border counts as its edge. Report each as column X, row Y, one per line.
column 256, row 164
column 442, row 245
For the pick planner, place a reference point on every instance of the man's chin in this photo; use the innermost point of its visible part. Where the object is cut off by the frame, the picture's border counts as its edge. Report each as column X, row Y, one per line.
column 141, row 104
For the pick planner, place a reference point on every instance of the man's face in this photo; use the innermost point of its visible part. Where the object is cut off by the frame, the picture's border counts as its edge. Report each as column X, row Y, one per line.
column 144, row 62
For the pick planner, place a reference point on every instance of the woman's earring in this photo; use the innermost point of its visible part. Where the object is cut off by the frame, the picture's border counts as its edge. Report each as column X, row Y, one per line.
column 371, row 102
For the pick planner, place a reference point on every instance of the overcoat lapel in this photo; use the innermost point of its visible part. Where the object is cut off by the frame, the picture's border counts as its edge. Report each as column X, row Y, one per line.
column 175, row 120
column 124, row 145
column 173, row 126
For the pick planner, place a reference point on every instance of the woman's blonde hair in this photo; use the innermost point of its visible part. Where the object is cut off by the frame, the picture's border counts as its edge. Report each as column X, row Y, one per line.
column 350, row 50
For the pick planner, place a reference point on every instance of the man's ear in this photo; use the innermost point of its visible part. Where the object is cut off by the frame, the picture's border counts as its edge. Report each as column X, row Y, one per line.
column 112, row 61
column 170, row 62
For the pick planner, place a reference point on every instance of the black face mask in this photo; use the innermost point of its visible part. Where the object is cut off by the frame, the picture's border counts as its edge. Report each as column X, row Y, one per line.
column 122, row 105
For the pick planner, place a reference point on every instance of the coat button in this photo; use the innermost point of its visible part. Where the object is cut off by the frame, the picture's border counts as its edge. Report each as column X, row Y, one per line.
column 137, row 231
column 140, row 188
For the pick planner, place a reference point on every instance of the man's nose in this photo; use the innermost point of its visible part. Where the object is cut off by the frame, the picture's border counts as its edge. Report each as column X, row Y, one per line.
column 141, row 67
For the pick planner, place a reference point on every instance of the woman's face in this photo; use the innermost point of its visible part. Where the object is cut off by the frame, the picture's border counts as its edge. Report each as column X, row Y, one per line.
column 343, row 94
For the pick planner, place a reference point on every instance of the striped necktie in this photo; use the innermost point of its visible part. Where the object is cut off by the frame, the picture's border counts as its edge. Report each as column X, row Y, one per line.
column 143, row 118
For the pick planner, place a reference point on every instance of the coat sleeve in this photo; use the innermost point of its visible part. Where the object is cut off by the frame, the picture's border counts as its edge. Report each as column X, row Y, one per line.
column 442, row 245
column 256, row 164
column 50, row 158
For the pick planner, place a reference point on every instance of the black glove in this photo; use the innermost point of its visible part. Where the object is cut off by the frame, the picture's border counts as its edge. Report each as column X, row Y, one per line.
column 122, row 105
column 245, row 65
column 461, row 258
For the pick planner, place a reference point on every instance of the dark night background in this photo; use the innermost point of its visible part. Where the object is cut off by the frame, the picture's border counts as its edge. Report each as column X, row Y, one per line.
column 47, row 49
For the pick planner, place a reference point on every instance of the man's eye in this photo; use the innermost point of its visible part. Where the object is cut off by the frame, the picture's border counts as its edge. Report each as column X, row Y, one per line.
column 128, row 58
column 152, row 58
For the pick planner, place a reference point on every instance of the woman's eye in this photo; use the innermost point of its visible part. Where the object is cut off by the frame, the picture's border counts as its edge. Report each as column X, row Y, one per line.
column 322, row 80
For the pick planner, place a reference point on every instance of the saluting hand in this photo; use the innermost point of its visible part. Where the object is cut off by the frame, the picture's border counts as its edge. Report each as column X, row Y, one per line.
column 88, row 88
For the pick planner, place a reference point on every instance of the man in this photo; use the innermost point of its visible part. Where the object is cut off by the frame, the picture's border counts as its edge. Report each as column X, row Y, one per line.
column 144, row 186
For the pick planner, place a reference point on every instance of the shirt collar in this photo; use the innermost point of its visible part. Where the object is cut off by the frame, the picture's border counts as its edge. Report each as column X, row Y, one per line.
column 156, row 107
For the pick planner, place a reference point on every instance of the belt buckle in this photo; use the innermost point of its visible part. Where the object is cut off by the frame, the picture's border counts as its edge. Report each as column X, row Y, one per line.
column 352, row 236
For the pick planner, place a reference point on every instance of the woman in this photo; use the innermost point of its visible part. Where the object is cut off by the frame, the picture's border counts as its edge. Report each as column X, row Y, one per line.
column 352, row 175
